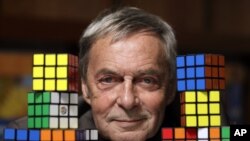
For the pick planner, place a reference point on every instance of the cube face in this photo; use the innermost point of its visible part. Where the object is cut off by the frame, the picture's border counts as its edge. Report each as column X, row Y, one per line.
column 50, row 72
column 215, row 120
column 214, row 133
column 225, row 132
column 179, row 133
column 167, row 133
column 22, row 134
column 191, row 121
column 214, row 96
column 200, row 108
column 38, row 84
column 45, row 122
column 202, row 96
column 73, row 123
column 53, row 122
column 38, row 72
column 193, row 133
column 203, row 121
column 45, row 135
column 200, row 72
column 69, row 135
column 57, row 135
column 62, row 59
column 55, row 72
column 9, row 134
column 50, row 59
column 214, row 108
column 52, row 110
column 62, row 84
column 203, row 133
column 190, row 109
column 34, row 135
column 61, row 72
column 38, row 59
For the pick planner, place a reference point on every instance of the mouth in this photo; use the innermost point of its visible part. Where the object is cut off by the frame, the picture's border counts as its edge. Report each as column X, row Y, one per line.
column 130, row 120
column 129, row 124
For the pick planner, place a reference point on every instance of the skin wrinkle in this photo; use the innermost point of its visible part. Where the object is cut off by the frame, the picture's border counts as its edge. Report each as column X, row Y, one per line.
column 137, row 60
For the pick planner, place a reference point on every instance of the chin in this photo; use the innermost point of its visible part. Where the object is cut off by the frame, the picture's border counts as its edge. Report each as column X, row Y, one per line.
column 129, row 136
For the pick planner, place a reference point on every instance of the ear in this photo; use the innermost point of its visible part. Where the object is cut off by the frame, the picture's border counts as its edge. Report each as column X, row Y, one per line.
column 85, row 92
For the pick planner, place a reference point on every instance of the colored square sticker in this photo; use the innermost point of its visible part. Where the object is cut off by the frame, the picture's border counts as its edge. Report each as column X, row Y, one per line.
column 9, row 133
column 167, row 133
column 34, row 135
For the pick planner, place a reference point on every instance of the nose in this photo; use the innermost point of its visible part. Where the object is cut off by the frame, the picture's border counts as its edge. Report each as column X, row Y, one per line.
column 127, row 98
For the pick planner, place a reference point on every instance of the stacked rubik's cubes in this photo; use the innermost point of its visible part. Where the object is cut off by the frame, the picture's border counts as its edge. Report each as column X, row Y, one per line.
column 53, row 103
column 200, row 80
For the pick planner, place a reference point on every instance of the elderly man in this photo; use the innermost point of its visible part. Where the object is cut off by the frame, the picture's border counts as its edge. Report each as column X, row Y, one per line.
column 127, row 66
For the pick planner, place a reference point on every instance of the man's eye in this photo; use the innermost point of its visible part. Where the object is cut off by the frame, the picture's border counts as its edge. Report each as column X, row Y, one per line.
column 107, row 80
column 149, row 83
column 148, row 80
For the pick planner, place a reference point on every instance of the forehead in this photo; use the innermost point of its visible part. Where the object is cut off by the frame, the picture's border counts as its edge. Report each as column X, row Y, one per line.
column 135, row 50
column 144, row 42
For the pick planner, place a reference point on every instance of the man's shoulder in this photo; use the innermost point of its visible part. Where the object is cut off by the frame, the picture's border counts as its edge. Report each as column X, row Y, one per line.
column 86, row 121
column 19, row 123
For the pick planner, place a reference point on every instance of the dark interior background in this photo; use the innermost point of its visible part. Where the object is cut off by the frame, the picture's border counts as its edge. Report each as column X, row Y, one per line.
column 201, row 26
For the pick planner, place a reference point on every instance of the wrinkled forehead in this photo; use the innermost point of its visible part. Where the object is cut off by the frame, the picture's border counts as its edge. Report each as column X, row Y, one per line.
column 142, row 45
column 116, row 36
column 112, row 38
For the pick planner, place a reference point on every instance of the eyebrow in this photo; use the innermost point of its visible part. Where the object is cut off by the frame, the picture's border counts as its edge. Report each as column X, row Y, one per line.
column 149, row 71
column 106, row 71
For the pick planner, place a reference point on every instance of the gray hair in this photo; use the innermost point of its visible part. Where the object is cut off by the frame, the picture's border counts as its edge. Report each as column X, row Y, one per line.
column 122, row 23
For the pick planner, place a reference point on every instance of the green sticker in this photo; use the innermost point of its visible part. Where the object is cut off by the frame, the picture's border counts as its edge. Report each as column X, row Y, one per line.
column 225, row 132
column 38, row 97
column 38, row 110
column 38, row 122
column 45, row 110
column 46, row 97
column 31, row 98
column 31, row 110
column 45, row 122
column 30, row 122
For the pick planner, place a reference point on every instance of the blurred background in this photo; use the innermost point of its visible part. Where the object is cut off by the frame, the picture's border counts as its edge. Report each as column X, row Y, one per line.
column 201, row 26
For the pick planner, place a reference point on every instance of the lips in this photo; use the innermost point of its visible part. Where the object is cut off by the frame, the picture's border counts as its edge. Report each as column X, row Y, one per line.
column 136, row 120
column 130, row 124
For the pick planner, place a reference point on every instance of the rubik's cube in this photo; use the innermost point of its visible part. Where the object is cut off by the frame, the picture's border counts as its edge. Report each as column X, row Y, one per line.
column 11, row 134
column 54, row 101
column 52, row 110
column 200, row 72
column 200, row 79
column 55, row 72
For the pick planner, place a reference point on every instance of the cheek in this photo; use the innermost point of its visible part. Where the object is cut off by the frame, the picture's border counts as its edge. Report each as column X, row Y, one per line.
column 102, row 102
column 154, row 102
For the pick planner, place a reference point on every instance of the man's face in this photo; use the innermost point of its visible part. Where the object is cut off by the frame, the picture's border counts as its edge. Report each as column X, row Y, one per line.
column 126, row 84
